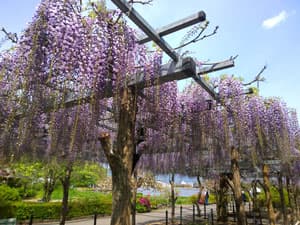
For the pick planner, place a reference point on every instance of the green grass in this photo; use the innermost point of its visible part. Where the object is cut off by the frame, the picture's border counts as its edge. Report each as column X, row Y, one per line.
column 79, row 193
column 184, row 200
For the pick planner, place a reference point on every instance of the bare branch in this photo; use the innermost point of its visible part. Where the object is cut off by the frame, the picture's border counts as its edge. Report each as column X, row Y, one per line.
column 10, row 36
column 206, row 63
column 140, row 2
column 199, row 36
column 257, row 78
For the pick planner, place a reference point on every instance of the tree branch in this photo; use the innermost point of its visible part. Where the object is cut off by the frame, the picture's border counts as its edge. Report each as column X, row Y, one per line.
column 140, row 2
column 199, row 36
column 258, row 77
column 10, row 36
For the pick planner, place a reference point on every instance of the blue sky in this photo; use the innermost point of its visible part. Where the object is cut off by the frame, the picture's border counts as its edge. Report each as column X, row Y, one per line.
column 259, row 31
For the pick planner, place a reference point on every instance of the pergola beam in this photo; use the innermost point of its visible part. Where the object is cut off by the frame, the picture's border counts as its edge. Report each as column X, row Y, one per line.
column 216, row 67
column 146, row 28
column 176, row 26
column 183, row 69
column 180, row 70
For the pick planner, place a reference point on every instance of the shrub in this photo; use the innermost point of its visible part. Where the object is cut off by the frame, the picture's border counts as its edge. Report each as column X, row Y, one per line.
column 141, row 208
column 143, row 205
column 275, row 198
column 159, row 201
column 194, row 199
column 212, row 198
column 27, row 193
column 51, row 210
column 8, row 194
column 183, row 200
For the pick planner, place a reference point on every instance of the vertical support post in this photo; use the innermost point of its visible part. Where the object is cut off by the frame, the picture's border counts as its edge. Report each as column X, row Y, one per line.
column 181, row 215
column 30, row 219
column 166, row 217
column 193, row 213
column 95, row 219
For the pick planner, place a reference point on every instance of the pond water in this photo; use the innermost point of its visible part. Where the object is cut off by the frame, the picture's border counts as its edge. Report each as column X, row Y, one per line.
column 185, row 192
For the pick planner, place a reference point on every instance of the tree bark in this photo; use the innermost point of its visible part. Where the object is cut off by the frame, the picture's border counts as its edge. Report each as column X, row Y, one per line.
column 120, row 157
column 290, row 198
column 50, row 181
column 237, row 189
column 66, row 186
column 173, row 197
column 266, row 186
column 199, row 195
column 222, row 200
column 282, row 200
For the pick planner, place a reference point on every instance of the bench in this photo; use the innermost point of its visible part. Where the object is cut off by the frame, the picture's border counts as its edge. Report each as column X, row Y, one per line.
column 9, row 221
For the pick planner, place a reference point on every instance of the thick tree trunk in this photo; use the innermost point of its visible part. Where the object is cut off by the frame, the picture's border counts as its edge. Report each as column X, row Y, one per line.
column 271, row 213
column 282, row 200
column 50, row 181
column 173, row 197
column 66, row 186
column 199, row 195
column 222, row 200
column 120, row 158
column 236, row 179
column 290, row 198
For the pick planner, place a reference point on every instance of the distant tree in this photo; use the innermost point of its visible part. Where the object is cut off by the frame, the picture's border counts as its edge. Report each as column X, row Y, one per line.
column 87, row 174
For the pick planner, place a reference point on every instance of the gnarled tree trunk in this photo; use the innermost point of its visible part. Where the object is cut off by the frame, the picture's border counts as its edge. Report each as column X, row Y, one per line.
column 65, row 180
column 290, row 198
column 237, row 189
column 222, row 199
column 173, row 197
column 50, row 181
column 266, row 186
column 120, row 157
column 282, row 200
column 199, row 195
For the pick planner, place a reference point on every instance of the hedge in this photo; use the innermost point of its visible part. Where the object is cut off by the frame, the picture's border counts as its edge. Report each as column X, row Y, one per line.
column 51, row 210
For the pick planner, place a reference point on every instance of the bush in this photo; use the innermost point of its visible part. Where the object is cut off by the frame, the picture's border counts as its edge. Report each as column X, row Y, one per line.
column 212, row 198
column 275, row 198
column 51, row 210
column 8, row 194
column 182, row 200
column 143, row 205
column 194, row 199
column 141, row 208
column 158, row 201
column 27, row 193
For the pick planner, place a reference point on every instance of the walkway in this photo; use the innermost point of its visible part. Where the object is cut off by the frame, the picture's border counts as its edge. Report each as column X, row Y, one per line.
column 141, row 218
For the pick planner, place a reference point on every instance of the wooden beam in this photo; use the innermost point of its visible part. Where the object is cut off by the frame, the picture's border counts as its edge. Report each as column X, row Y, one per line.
column 209, row 69
column 176, row 26
column 216, row 66
column 171, row 71
column 182, row 69
column 146, row 28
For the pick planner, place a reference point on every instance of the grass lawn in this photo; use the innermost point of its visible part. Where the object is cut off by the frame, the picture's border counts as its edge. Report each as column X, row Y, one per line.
column 77, row 193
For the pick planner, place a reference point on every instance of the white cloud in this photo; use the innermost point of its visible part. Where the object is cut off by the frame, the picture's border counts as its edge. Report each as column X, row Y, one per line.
column 275, row 20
